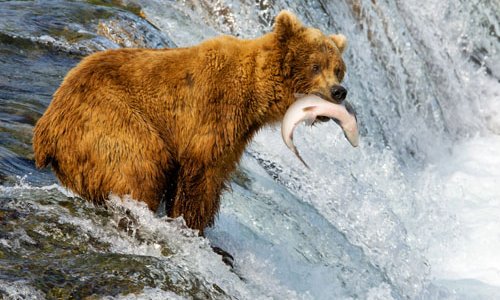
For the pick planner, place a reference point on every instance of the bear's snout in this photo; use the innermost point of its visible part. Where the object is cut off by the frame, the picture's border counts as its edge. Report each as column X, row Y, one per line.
column 338, row 93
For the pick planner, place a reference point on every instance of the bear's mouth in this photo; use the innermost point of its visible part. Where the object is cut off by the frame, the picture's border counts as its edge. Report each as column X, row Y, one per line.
column 319, row 94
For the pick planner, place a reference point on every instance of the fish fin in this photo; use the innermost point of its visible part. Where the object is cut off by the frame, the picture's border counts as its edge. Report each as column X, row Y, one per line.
column 309, row 108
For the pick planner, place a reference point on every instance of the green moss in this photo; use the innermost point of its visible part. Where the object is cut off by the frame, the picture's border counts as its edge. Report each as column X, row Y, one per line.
column 131, row 7
column 241, row 178
column 165, row 251
column 17, row 41
column 58, row 293
column 70, row 35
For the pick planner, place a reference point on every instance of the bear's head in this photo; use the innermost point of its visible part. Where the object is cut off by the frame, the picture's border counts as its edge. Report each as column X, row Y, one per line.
column 311, row 61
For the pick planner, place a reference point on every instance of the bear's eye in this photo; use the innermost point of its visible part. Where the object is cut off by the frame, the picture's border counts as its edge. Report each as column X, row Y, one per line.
column 316, row 69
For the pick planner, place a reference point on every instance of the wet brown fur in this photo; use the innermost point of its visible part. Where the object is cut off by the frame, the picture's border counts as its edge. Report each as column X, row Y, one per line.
column 171, row 124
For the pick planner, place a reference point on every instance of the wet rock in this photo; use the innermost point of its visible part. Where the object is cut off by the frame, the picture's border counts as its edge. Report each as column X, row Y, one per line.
column 132, row 32
column 78, row 27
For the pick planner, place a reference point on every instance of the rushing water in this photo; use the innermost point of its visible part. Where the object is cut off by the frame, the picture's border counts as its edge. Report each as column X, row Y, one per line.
column 411, row 214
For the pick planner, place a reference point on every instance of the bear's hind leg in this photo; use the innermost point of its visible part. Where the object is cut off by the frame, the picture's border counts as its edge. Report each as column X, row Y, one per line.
column 197, row 195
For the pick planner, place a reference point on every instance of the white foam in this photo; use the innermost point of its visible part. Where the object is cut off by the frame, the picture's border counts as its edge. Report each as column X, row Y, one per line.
column 19, row 290
column 22, row 184
column 382, row 292
column 470, row 179
column 148, row 293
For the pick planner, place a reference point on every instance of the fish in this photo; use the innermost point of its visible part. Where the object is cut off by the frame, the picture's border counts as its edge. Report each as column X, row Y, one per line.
column 307, row 108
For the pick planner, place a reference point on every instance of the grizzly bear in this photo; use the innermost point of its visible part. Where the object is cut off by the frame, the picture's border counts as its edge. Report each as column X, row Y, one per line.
column 170, row 125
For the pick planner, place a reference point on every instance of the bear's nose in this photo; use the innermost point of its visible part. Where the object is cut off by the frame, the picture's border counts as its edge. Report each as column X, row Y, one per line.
column 338, row 93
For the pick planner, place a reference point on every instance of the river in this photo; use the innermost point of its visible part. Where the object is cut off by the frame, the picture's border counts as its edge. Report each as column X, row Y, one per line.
column 412, row 213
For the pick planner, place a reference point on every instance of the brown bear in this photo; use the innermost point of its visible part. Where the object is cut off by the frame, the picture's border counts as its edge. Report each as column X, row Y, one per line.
column 171, row 124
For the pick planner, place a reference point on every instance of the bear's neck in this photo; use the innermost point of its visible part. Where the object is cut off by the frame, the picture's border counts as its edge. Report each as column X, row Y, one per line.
column 273, row 93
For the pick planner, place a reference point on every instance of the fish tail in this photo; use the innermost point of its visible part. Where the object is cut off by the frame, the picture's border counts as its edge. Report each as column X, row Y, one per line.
column 300, row 157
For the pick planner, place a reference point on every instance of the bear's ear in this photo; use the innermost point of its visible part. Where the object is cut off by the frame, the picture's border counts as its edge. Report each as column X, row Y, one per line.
column 340, row 41
column 286, row 25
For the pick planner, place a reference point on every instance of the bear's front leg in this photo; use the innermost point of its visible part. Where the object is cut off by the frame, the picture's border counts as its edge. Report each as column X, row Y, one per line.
column 197, row 195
